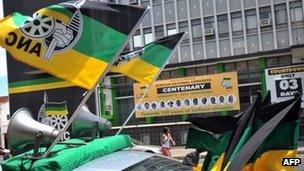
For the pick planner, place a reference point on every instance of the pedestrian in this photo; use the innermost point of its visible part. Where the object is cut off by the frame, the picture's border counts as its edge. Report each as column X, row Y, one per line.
column 166, row 142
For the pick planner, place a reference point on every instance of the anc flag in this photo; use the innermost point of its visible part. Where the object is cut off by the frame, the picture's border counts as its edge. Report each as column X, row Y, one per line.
column 55, row 108
column 275, row 138
column 242, row 132
column 75, row 40
column 145, row 64
column 213, row 135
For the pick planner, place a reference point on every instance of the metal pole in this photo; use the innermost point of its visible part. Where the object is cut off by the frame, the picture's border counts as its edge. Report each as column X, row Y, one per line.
column 93, row 89
column 142, row 97
column 133, row 111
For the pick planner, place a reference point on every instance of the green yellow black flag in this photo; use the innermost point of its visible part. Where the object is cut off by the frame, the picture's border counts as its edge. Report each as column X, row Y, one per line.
column 145, row 64
column 75, row 40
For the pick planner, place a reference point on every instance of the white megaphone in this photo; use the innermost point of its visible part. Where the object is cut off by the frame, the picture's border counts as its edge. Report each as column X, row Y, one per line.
column 23, row 130
column 87, row 121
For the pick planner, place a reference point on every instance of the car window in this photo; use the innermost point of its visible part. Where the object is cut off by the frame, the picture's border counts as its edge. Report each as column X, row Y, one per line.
column 157, row 163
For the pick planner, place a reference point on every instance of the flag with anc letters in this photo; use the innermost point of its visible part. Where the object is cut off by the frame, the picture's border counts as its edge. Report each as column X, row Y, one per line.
column 75, row 40
column 146, row 63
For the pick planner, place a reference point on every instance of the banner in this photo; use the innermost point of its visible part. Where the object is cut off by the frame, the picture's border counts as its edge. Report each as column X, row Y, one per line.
column 284, row 82
column 188, row 95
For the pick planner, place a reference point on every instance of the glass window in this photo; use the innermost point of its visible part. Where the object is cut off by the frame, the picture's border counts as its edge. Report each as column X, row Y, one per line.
column 222, row 21
column 137, row 41
column 280, row 14
column 211, row 69
column 237, row 25
column 265, row 13
column 165, row 75
column 148, row 38
column 159, row 32
column 209, row 24
column 296, row 14
column 201, row 70
column 183, row 27
column 176, row 73
column 241, row 66
column 251, row 21
column 285, row 60
column 196, row 29
column 253, row 64
column 171, row 29
column 190, row 72
column 273, row 61
column 230, row 66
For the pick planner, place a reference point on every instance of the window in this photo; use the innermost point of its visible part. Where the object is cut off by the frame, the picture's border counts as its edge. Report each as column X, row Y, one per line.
column 137, row 41
column 209, row 24
column 171, row 32
column 211, row 69
column 190, row 72
column 159, row 32
column 230, row 66
column 237, row 25
column 196, row 30
column 296, row 14
column 223, row 30
column 285, row 60
column 251, row 21
column 265, row 14
column 201, row 70
column 241, row 66
column 171, row 29
column 148, row 36
column 165, row 75
column 280, row 16
column 183, row 27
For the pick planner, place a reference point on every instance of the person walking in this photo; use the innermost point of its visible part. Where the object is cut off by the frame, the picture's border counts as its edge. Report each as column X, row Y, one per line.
column 166, row 142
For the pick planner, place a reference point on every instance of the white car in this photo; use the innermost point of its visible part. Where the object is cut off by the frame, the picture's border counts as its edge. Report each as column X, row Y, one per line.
column 139, row 146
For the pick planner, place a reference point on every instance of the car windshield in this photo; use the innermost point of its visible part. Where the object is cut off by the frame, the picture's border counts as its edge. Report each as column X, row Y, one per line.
column 157, row 163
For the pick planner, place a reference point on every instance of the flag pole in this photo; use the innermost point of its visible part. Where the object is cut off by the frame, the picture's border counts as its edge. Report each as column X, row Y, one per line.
column 150, row 85
column 88, row 94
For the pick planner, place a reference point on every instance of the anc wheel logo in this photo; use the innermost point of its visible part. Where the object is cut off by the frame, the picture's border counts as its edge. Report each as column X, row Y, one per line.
column 56, row 35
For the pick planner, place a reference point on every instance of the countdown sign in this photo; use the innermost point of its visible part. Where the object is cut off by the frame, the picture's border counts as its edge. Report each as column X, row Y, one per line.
column 285, row 82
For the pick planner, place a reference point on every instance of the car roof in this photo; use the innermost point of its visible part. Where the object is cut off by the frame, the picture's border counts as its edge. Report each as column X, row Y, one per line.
column 115, row 161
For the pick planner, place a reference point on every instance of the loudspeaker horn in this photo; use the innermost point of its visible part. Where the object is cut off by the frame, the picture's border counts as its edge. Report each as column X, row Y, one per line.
column 86, row 120
column 22, row 130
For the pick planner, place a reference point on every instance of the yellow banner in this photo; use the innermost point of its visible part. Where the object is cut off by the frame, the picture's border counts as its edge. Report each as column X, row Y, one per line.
column 188, row 95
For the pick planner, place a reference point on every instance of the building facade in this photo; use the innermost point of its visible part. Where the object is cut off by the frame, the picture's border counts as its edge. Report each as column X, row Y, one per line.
column 246, row 36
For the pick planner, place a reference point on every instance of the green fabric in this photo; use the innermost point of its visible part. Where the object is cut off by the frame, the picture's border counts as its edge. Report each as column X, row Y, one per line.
column 284, row 136
column 158, row 60
column 19, row 19
column 35, row 82
column 65, row 158
column 205, row 141
column 246, row 135
column 97, row 40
